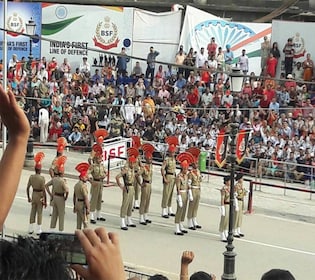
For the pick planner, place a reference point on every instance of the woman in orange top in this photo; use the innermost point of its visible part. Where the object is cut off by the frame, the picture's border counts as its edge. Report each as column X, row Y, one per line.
column 308, row 66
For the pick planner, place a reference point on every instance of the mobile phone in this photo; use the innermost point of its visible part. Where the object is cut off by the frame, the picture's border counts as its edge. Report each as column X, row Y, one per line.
column 67, row 245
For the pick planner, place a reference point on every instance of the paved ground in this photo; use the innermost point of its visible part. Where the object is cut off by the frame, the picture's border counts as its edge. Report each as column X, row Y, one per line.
column 279, row 233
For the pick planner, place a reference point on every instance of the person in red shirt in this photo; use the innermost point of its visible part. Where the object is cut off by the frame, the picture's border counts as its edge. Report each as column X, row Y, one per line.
column 85, row 88
column 272, row 65
column 269, row 92
column 290, row 82
column 51, row 68
column 212, row 48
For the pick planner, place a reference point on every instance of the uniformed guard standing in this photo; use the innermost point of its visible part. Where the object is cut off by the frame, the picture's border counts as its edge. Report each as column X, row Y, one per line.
column 240, row 193
column 38, row 200
column 100, row 135
column 59, row 194
column 61, row 144
column 98, row 174
column 81, row 204
column 128, row 175
column 168, row 171
column 136, row 143
column 146, row 174
column 182, row 192
column 224, row 208
column 194, row 184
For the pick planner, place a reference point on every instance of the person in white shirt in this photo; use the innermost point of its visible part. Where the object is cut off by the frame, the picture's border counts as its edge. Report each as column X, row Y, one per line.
column 43, row 122
column 85, row 67
column 129, row 112
column 13, row 61
column 201, row 58
column 42, row 73
column 243, row 62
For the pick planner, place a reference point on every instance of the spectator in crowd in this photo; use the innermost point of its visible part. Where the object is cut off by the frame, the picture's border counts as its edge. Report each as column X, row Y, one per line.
column 277, row 274
column 151, row 64
column 264, row 53
column 243, row 62
column 122, row 61
column 201, row 58
column 85, row 68
column 288, row 51
column 228, row 58
column 186, row 259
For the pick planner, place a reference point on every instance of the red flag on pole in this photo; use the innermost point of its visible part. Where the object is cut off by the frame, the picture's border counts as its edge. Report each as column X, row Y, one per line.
column 221, row 149
column 241, row 145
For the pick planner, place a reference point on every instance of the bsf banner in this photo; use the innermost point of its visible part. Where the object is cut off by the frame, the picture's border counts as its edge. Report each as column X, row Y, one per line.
column 221, row 149
column 241, row 145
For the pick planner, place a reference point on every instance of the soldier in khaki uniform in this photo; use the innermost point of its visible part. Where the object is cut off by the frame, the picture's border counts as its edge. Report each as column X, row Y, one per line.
column 59, row 195
column 194, row 183
column 146, row 174
column 224, row 208
column 168, row 171
column 182, row 192
column 100, row 135
column 61, row 144
column 128, row 175
column 137, row 186
column 81, row 205
column 136, row 143
column 240, row 193
column 98, row 173
column 38, row 200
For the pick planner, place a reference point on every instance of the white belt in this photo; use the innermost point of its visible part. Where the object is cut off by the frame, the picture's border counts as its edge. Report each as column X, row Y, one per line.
column 182, row 191
column 195, row 187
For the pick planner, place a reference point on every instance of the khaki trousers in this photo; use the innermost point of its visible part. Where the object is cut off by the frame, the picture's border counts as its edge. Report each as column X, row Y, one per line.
column 145, row 199
column 224, row 222
column 58, row 212
column 181, row 211
column 168, row 191
column 37, row 208
column 193, row 205
column 96, row 196
column 238, row 216
column 82, row 218
column 127, row 202
column 137, row 189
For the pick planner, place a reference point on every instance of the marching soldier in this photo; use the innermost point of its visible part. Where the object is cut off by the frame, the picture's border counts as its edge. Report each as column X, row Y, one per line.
column 98, row 173
column 146, row 173
column 168, row 171
column 59, row 194
column 240, row 193
column 81, row 205
column 128, row 175
column 38, row 200
column 61, row 144
column 100, row 135
column 182, row 192
column 136, row 143
column 224, row 208
column 194, row 183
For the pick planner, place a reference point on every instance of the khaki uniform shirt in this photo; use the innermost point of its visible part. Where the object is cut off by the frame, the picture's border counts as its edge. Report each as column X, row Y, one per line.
column 97, row 170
